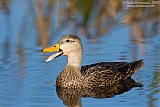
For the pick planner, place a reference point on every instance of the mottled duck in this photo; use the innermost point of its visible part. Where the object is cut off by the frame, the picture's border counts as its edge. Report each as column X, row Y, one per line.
column 100, row 74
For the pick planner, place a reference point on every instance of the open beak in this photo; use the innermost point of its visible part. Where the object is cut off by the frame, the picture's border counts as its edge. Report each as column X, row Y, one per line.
column 55, row 48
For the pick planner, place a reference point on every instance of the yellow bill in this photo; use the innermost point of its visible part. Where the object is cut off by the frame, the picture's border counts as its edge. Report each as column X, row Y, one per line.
column 54, row 48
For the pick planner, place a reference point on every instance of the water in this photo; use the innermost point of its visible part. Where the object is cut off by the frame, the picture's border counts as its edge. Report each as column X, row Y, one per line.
column 26, row 80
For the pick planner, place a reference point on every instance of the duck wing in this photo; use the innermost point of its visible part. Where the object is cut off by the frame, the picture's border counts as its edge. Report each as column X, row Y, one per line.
column 108, row 73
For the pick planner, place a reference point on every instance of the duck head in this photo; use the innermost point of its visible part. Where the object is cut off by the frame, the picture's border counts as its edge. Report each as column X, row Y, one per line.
column 68, row 45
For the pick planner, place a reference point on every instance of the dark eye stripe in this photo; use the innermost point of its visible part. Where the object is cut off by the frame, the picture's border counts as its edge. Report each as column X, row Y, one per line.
column 67, row 40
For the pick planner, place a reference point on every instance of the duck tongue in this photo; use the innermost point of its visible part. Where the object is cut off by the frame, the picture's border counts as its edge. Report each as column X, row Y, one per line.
column 54, row 56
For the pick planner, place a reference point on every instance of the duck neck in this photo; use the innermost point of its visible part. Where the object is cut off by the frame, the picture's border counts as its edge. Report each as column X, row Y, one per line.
column 75, row 60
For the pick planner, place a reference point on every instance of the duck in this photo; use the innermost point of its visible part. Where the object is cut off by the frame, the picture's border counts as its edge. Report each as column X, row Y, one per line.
column 101, row 74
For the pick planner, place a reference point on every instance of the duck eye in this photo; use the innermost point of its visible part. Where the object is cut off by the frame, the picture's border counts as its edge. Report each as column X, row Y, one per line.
column 67, row 40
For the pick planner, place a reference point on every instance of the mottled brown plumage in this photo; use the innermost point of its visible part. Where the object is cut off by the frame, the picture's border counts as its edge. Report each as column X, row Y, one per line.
column 101, row 74
column 108, row 73
column 72, row 97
